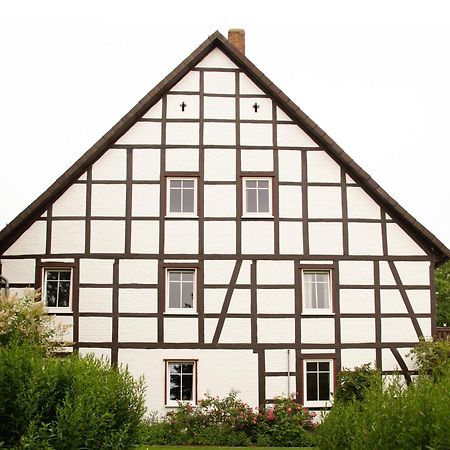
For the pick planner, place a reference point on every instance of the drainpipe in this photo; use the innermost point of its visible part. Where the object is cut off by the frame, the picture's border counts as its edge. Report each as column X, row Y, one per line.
column 4, row 281
column 289, row 372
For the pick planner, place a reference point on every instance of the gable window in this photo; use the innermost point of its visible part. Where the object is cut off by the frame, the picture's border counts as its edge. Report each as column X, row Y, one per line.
column 257, row 196
column 181, row 290
column 182, row 198
column 57, row 288
column 316, row 291
column 180, row 382
column 317, row 382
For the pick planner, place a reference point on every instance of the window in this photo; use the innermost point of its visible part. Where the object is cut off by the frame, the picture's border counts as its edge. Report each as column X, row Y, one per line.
column 317, row 382
column 258, row 196
column 181, row 382
column 316, row 291
column 57, row 288
column 182, row 196
column 181, row 290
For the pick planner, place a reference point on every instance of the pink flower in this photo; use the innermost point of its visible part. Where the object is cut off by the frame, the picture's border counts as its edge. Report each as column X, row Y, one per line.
column 270, row 415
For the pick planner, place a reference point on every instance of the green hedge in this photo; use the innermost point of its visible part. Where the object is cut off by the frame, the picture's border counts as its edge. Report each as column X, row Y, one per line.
column 392, row 417
column 71, row 403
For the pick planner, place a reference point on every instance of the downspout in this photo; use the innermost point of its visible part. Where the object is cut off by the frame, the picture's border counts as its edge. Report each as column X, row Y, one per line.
column 6, row 283
column 289, row 372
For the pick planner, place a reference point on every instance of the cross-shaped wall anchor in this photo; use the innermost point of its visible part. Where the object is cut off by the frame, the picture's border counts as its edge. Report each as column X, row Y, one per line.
column 256, row 107
column 183, row 105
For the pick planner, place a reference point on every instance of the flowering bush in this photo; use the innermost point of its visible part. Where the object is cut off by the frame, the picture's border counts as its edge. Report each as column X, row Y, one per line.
column 25, row 320
column 231, row 422
column 286, row 424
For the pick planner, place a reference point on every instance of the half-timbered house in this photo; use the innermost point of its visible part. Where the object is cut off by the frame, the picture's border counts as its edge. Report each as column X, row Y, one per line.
column 216, row 238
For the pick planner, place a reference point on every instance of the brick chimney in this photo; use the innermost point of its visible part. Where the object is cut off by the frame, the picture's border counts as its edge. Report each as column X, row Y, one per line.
column 236, row 36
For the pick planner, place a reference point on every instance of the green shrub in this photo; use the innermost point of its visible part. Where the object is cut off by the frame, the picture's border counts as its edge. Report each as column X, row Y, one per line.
column 431, row 357
column 395, row 417
column 67, row 403
column 25, row 320
column 286, row 424
column 351, row 384
column 230, row 422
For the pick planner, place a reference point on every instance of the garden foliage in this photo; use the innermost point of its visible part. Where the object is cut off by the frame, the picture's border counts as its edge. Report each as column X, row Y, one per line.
column 392, row 416
column 53, row 403
column 25, row 320
column 432, row 357
column 351, row 384
column 231, row 422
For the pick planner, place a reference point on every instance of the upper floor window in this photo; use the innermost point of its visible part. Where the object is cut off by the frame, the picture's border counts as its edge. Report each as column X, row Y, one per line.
column 57, row 291
column 317, row 382
column 316, row 291
column 257, row 196
column 182, row 196
column 181, row 290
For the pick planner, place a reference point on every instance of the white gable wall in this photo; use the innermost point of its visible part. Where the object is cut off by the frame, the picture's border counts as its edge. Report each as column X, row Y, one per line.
column 108, row 225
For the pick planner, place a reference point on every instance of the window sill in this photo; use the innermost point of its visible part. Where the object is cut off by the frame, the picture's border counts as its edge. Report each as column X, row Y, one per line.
column 257, row 217
column 180, row 313
column 181, row 217
column 56, row 310
column 317, row 312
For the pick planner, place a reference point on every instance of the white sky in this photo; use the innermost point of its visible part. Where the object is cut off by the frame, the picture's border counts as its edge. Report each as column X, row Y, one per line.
column 375, row 75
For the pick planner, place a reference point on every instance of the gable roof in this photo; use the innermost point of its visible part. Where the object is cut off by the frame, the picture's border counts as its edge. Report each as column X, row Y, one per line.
column 21, row 223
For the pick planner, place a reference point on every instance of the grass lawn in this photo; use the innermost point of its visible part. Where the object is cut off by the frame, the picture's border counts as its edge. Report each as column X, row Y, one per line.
column 166, row 447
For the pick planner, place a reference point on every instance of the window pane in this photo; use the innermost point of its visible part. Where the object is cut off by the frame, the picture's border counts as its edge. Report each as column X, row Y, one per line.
column 174, row 276
column 52, row 288
column 188, row 276
column 52, row 275
column 175, row 183
column 324, row 386
column 175, row 387
column 310, row 295
column 175, row 368
column 188, row 183
column 188, row 368
column 263, row 200
column 187, row 390
column 322, row 277
column 311, row 386
column 188, row 200
column 174, row 294
column 251, row 183
column 175, row 200
column 324, row 366
column 64, row 275
column 251, row 200
column 323, row 300
column 64, row 293
column 311, row 366
column 188, row 294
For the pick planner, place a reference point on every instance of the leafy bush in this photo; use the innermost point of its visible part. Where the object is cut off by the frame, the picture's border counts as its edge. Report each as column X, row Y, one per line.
column 286, row 424
column 432, row 357
column 351, row 384
column 442, row 278
column 66, row 403
column 392, row 416
column 25, row 320
column 230, row 422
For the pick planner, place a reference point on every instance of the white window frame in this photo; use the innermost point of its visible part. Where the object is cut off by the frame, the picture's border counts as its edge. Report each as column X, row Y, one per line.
column 175, row 403
column 324, row 311
column 56, row 309
column 192, row 310
column 244, row 194
column 318, row 403
column 182, row 214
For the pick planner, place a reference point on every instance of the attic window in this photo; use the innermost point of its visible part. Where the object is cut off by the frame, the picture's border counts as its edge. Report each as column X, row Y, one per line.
column 183, row 106
column 256, row 107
